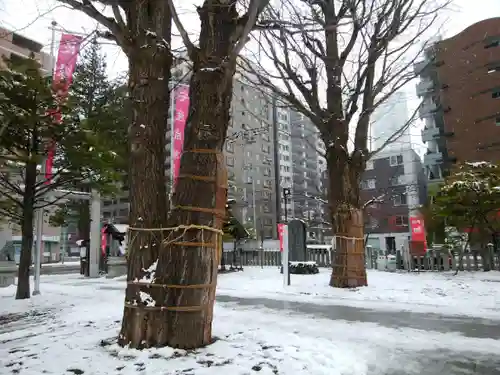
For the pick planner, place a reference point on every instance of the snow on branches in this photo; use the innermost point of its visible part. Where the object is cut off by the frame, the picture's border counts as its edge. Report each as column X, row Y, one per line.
column 470, row 196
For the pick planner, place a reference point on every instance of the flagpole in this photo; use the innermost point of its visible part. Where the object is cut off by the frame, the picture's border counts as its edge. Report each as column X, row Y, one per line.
column 39, row 212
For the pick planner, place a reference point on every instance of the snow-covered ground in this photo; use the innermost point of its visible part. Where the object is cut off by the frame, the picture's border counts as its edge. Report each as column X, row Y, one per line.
column 66, row 326
column 469, row 293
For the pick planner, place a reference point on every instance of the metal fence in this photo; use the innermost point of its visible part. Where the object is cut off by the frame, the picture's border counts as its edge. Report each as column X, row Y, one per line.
column 446, row 262
column 322, row 257
column 433, row 261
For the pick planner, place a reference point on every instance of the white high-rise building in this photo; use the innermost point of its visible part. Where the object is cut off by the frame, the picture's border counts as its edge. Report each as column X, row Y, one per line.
column 387, row 120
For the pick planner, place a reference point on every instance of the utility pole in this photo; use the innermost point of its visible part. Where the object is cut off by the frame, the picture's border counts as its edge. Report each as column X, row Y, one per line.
column 64, row 242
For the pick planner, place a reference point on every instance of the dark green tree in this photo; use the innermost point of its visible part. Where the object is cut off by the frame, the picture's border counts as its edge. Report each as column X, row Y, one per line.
column 27, row 107
column 99, row 103
column 469, row 201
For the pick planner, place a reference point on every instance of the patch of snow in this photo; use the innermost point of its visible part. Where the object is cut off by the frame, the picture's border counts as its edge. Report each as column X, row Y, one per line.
column 150, row 273
column 468, row 294
column 209, row 69
column 298, row 263
column 146, row 299
column 77, row 336
column 481, row 164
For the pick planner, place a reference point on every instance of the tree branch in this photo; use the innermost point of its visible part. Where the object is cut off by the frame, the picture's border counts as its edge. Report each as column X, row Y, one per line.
column 112, row 25
column 191, row 49
column 255, row 8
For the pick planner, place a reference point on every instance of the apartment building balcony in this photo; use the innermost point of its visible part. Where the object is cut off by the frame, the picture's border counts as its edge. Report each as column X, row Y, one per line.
column 419, row 67
column 424, row 86
column 427, row 109
column 433, row 158
column 429, row 134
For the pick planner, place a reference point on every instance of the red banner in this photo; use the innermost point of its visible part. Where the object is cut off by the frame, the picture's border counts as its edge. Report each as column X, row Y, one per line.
column 104, row 240
column 281, row 228
column 181, row 108
column 69, row 47
column 418, row 230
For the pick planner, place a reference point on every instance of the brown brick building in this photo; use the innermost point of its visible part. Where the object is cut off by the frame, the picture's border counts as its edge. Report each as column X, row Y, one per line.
column 397, row 179
column 460, row 88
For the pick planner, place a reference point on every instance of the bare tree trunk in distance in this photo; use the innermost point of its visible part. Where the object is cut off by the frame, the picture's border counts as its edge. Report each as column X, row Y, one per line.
column 365, row 51
column 344, row 176
column 23, row 281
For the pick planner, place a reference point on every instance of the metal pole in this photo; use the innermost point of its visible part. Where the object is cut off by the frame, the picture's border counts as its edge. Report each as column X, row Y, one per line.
column 254, row 207
column 285, row 197
column 64, row 242
column 95, row 234
column 39, row 212
column 286, row 271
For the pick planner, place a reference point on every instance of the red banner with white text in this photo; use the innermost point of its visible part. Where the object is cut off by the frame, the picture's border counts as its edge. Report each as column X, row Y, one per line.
column 181, row 108
column 69, row 48
column 418, row 231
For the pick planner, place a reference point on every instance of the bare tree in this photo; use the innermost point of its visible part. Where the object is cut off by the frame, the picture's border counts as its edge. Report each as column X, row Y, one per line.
column 223, row 35
column 336, row 62
column 182, row 313
column 142, row 28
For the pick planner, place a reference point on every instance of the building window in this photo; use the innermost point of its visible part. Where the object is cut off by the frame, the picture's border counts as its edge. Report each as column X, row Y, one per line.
column 497, row 121
column 267, row 171
column 493, row 68
column 230, row 161
column 265, row 137
column 368, row 184
column 230, row 146
column 265, row 148
column 267, row 209
column 401, row 221
column 396, row 160
column 369, row 165
column 400, row 200
column 492, row 43
column 395, row 181
column 495, row 94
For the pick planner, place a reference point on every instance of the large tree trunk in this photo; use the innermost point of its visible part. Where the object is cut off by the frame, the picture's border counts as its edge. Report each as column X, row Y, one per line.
column 344, row 173
column 184, row 287
column 23, row 282
column 150, row 61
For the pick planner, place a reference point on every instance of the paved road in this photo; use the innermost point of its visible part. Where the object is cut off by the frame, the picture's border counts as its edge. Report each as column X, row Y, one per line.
column 424, row 362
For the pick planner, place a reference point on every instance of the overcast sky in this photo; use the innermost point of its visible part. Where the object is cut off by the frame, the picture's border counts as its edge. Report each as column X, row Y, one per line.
column 33, row 17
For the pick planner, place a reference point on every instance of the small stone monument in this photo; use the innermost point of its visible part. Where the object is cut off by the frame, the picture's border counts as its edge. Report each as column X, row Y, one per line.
column 297, row 234
column 8, row 273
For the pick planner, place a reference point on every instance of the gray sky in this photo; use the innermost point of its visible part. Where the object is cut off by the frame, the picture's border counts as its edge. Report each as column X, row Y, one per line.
column 33, row 17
